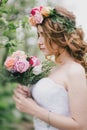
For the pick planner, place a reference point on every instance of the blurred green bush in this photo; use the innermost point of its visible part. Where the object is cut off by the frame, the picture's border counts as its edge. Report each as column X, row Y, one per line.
column 13, row 18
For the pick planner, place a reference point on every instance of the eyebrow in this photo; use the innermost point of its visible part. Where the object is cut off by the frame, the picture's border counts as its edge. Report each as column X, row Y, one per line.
column 39, row 31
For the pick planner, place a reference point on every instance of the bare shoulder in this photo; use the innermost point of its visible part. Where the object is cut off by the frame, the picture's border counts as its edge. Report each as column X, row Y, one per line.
column 76, row 69
column 76, row 76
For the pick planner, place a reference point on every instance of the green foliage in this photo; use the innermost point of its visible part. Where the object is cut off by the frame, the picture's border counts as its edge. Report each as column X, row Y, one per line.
column 2, row 2
column 8, row 114
column 11, row 15
column 68, row 24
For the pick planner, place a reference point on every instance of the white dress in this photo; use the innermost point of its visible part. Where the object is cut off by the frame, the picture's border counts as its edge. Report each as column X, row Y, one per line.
column 51, row 96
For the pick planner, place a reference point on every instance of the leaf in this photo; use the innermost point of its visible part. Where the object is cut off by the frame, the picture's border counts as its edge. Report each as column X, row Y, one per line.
column 4, row 1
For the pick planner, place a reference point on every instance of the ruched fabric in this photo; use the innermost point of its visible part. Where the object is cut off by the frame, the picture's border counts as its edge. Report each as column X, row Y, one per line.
column 51, row 96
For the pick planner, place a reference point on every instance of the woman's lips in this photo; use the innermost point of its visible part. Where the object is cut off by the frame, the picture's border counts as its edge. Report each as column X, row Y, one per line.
column 42, row 48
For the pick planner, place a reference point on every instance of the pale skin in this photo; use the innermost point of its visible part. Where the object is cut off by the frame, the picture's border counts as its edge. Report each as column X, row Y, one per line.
column 72, row 76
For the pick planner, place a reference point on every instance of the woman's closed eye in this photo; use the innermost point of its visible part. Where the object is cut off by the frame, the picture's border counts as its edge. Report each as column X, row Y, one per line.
column 40, row 34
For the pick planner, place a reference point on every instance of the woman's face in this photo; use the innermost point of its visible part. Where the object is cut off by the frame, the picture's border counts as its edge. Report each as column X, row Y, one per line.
column 41, row 41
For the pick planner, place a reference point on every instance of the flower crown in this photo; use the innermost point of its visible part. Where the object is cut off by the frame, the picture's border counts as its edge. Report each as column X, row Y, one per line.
column 37, row 15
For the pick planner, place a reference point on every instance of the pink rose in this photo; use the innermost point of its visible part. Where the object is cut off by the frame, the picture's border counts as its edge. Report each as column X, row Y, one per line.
column 41, row 7
column 19, row 55
column 21, row 65
column 38, row 18
column 34, row 10
column 34, row 61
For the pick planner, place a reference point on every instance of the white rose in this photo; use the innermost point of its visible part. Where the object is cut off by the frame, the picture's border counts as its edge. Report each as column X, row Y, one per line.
column 37, row 69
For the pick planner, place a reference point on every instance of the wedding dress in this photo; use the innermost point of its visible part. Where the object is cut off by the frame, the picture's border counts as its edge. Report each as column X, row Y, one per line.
column 51, row 96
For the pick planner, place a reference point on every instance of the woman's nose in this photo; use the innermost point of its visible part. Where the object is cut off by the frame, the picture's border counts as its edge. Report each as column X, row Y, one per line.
column 40, row 41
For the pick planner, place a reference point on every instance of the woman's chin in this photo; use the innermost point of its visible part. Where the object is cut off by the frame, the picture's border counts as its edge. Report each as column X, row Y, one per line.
column 45, row 53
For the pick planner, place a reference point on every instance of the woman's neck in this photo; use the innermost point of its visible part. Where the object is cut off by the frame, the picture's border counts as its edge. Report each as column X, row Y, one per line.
column 64, row 58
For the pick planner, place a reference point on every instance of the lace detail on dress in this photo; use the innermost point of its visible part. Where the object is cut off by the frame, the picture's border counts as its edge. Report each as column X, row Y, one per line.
column 51, row 96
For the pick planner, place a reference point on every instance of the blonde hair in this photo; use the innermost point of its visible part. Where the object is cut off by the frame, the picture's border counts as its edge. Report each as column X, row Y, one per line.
column 73, row 42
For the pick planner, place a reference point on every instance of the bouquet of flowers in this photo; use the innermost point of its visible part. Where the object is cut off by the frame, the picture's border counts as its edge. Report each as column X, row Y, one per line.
column 25, row 69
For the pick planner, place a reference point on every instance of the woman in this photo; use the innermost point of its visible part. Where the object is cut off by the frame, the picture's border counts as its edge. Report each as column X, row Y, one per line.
column 60, row 100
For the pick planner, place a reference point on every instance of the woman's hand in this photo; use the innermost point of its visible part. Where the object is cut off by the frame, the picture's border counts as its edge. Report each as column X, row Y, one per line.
column 23, row 90
column 23, row 103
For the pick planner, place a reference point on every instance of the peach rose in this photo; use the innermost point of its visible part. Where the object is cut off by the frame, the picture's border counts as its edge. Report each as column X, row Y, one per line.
column 32, row 21
column 46, row 11
column 9, row 63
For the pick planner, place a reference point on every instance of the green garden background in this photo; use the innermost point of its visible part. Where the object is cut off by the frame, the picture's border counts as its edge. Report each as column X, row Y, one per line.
column 15, row 34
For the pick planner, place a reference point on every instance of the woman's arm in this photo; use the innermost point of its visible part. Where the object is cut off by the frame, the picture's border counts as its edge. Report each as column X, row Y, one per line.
column 29, row 106
column 78, row 105
column 78, row 95
column 57, row 121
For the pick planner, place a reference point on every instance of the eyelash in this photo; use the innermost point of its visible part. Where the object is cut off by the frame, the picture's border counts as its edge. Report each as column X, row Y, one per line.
column 40, row 34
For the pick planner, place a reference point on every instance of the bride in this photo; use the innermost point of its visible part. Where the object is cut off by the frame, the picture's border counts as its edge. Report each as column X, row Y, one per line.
column 59, row 101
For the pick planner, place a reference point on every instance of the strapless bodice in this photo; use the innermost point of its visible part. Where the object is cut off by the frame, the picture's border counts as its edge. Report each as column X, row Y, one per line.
column 51, row 96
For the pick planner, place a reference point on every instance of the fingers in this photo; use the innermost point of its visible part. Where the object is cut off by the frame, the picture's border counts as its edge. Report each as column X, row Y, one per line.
column 16, row 99
column 23, row 90
column 17, row 102
column 17, row 94
column 22, row 87
column 26, row 90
